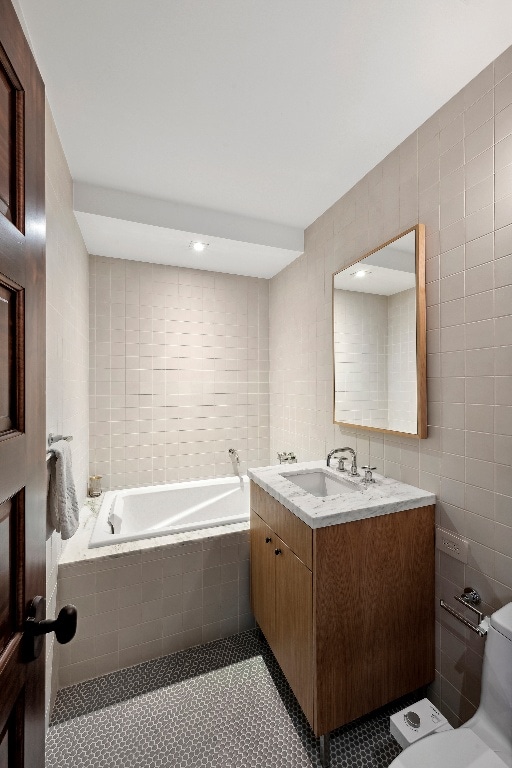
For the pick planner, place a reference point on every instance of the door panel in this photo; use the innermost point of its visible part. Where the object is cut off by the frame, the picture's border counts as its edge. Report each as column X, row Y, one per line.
column 6, row 592
column 263, row 544
column 12, row 146
column 22, row 392
column 12, row 356
column 4, row 747
column 293, row 644
column 11, row 742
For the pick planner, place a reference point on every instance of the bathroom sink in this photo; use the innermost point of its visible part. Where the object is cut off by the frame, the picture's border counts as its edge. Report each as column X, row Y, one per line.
column 320, row 483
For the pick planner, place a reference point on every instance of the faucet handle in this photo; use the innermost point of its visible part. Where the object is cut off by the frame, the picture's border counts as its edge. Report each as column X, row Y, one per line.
column 341, row 464
column 368, row 473
column 287, row 458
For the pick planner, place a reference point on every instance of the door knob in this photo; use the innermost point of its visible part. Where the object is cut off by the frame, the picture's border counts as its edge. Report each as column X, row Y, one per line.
column 36, row 626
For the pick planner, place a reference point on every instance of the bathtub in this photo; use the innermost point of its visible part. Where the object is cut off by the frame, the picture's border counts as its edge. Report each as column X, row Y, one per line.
column 143, row 513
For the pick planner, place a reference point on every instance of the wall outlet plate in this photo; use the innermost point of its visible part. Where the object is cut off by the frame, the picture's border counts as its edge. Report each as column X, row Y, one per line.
column 451, row 544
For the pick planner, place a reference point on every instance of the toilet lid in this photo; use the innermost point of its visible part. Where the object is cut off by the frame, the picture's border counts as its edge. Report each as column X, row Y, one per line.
column 461, row 748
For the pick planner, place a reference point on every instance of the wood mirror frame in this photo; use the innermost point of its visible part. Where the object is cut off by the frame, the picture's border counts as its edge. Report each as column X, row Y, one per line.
column 421, row 339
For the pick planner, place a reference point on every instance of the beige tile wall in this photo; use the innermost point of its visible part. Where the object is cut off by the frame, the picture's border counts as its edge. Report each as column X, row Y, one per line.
column 67, row 345
column 179, row 372
column 140, row 605
column 454, row 174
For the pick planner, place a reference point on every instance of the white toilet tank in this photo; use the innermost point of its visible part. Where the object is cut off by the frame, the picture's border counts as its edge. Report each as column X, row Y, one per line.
column 493, row 719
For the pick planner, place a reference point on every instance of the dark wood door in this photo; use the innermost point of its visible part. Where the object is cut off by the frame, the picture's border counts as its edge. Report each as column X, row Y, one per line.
column 22, row 392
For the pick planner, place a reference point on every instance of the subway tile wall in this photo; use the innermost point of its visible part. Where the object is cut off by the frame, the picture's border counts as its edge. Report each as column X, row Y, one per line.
column 178, row 372
column 454, row 174
column 361, row 357
column 137, row 606
column 67, row 348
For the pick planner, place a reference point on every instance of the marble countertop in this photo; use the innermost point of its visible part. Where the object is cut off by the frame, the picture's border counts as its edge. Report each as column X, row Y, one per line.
column 382, row 497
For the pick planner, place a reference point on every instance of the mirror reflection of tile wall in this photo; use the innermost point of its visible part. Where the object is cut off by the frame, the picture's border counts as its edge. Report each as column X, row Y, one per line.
column 374, row 322
column 360, row 354
column 401, row 369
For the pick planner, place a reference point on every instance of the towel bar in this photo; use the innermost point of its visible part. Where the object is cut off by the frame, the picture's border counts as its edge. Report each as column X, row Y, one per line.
column 53, row 438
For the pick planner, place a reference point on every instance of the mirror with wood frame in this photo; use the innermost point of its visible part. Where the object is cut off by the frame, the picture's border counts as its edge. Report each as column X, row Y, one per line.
column 379, row 338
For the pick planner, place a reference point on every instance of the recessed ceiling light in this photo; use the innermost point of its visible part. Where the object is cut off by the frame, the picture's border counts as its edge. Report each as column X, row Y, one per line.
column 198, row 246
column 361, row 273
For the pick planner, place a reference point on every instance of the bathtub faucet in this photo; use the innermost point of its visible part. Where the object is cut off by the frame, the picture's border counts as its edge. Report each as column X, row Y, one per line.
column 235, row 460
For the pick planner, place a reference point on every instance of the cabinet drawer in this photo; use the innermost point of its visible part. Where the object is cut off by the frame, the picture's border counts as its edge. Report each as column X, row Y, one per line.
column 294, row 532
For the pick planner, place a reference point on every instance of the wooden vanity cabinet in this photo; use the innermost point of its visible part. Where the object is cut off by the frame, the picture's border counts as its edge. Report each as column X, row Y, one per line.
column 348, row 610
column 282, row 602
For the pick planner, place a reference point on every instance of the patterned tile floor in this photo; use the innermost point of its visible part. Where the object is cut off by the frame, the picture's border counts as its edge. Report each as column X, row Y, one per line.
column 221, row 705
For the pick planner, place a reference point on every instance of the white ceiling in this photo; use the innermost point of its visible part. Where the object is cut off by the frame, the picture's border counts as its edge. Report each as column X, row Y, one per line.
column 123, row 239
column 388, row 271
column 379, row 280
column 260, row 110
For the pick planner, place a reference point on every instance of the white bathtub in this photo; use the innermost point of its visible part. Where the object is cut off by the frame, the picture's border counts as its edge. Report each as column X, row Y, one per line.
column 141, row 513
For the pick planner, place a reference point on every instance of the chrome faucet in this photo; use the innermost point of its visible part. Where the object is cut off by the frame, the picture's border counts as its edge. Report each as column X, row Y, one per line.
column 353, row 467
column 235, row 460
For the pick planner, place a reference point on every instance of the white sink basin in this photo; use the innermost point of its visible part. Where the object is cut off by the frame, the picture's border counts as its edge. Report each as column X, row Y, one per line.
column 320, row 483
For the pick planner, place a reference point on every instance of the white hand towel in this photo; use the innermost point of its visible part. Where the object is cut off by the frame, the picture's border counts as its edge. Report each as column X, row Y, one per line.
column 62, row 496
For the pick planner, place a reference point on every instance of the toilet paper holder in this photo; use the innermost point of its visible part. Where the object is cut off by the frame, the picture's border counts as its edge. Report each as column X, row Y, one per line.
column 469, row 599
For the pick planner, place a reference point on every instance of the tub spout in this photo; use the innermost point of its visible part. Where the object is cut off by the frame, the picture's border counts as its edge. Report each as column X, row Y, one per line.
column 235, row 460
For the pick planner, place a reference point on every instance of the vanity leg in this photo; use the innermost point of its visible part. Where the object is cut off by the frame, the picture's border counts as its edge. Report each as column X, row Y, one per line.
column 325, row 750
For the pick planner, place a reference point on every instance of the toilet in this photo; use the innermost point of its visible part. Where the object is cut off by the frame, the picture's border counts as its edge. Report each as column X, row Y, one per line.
column 485, row 741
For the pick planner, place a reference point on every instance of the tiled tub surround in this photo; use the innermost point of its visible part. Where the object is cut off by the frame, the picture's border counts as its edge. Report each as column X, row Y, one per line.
column 141, row 600
column 382, row 497
column 454, row 174
column 179, row 372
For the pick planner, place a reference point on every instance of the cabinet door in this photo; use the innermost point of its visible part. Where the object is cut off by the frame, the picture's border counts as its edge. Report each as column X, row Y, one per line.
column 263, row 544
column 293, row 641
